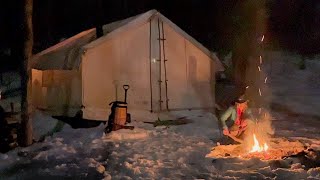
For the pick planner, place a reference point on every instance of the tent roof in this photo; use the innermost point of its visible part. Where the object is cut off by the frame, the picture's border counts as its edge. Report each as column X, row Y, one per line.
column 66, row 55
column 63, row 55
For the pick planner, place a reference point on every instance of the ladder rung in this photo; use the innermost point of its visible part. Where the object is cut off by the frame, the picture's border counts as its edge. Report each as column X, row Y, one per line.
column 166, row 60
column 162, row 39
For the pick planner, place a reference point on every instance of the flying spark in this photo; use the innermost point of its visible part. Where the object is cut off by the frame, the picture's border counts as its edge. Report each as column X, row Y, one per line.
column 265, row 80
column 260, row 92
column 260, row 59
column 259, row 68
column 262, row 38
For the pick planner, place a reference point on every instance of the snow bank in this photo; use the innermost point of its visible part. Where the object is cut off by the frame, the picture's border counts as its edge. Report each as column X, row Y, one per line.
column 314, row 173
column 291, row 87
column 11, row 83
column 42, row 125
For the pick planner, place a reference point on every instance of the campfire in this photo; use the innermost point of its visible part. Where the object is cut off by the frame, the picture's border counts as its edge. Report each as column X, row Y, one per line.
column 257, row 147
column 259, row 144
column 278, row 153
column 278, row 148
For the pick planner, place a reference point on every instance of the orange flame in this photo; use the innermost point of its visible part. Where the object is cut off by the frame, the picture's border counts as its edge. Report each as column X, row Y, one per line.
column 257, row 147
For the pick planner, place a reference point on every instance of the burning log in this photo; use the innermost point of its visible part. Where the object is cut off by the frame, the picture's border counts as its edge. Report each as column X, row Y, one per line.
column 235, row 138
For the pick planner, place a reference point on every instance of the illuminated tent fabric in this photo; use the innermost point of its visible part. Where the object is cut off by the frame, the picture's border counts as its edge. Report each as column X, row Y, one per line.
column 85, row 73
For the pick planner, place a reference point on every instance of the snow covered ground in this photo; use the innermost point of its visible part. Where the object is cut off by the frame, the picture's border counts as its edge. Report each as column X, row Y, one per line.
column 176, row 152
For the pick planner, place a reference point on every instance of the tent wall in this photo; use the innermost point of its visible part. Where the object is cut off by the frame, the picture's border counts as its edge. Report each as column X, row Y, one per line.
column 37, row 92
column 120, row 60
column 201, row 78
column 56, row 91
column 188, row 71
column 132, row 57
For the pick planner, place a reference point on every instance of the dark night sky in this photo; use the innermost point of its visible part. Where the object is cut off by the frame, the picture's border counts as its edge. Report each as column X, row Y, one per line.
column 209, row 21
column 64, row 19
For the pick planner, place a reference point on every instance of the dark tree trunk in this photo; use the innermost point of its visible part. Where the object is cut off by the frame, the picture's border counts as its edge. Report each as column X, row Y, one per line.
column 240, row 62
column 248, row 25
column 26, row 52
column 241, row 52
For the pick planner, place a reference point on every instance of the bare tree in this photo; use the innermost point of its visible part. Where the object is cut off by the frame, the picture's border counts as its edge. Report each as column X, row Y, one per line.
column 249, row 23
column 26, row 52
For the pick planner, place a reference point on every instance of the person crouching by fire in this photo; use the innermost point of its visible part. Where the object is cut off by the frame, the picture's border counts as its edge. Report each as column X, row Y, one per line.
column 236, row 119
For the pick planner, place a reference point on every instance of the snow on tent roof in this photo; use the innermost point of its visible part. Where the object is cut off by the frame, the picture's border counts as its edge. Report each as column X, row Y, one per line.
column 66, row 54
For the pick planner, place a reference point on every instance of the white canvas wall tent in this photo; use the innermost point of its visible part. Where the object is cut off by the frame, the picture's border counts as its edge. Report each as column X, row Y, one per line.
column 165, row 67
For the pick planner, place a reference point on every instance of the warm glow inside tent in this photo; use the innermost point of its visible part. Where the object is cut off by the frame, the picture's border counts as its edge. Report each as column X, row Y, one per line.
column 165, row 67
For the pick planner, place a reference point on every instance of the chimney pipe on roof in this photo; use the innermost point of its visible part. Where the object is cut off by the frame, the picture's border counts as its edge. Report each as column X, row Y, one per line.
column 99, row 31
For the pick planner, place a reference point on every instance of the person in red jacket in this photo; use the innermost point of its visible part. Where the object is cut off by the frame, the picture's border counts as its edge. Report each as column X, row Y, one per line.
column 236, row 118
